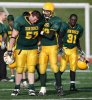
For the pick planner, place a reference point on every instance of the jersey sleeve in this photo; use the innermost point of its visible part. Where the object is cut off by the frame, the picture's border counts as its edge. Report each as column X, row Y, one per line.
column 81, row 32
column 56, row 24
column 17, row 24
column 5, row 30
column 63, row 29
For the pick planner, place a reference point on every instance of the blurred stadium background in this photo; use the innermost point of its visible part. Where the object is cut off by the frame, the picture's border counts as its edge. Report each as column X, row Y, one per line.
column 84, row 78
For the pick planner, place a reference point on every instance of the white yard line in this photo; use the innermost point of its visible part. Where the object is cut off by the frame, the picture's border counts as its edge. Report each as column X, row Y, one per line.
column 76, row 98
column 83, row 89
column 59, row 99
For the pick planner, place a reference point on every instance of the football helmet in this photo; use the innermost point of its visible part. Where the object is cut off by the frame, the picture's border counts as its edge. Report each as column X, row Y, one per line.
column 82, row 63
column 48, row 10
column 8, row 59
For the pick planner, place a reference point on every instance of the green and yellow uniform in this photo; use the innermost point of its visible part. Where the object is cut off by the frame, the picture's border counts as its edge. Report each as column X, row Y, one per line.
column 49, row 45
column 71, row 35
column 26, row 49
column 9, row 30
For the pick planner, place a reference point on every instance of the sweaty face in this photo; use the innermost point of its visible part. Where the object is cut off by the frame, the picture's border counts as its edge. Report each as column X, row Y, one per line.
column 33, row 19
column 73, row 21
column 46, row 13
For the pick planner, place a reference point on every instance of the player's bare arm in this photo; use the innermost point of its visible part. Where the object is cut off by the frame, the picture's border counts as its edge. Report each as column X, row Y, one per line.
column 13, row 39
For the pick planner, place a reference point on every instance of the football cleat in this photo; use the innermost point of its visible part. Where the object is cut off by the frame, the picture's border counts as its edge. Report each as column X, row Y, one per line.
column 15, row 92
column 12, row 79
column 73, row 88
column 31, row 92
column 42, row 91
column 8, row 59
column 60, row 91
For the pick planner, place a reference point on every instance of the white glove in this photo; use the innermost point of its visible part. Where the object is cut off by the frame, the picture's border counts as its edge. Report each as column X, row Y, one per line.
column 8, row 59
column 41, row 32
column 3, row 45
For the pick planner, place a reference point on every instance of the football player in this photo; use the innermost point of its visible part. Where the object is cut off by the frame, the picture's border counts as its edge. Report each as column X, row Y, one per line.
column 27, row 31
column 3, row 71
column 26, row 13
column 69, row 41
column 49, row 48
column 9, row 28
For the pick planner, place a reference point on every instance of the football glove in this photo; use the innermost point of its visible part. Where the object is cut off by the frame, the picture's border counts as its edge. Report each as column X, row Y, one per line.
column 82, row 52
column 8, row 57
column 3, row 45
column 41, row 32
column 61, row 51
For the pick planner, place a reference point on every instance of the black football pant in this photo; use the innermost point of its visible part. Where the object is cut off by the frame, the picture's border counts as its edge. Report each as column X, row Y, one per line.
column 3, row 71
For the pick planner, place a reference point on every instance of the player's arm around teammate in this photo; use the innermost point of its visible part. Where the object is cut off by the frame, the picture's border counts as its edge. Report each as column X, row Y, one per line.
column 49, row 49
column 27, row 31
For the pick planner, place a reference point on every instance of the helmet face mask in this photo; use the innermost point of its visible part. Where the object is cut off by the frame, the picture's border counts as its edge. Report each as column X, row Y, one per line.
column 47, row 13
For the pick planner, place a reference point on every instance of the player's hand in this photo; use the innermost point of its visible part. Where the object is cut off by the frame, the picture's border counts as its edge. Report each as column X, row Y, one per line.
column 82, row 52
column 10, row 52
column 61, row 51
column 3, row 45
column 41, row 32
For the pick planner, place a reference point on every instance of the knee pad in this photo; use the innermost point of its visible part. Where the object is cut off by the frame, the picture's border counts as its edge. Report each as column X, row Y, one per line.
column 73, row 69
column 19, row 70
column 31, row 69
column 42, row 68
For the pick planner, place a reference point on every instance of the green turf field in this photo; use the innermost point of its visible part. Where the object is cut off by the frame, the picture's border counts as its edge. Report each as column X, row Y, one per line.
column 83, row 83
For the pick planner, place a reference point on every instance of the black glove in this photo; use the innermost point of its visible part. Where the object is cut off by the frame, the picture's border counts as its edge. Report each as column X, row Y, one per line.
column 61, row 51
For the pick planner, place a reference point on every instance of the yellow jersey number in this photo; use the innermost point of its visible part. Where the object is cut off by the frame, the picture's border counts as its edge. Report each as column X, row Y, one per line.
column 46, row 30
column 31, row 35
column 71, row 38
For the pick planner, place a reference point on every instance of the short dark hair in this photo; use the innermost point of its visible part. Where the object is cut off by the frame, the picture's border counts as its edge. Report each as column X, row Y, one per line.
column 73, row 15
column 10, row 17
column 36, row 13
column 26, row 13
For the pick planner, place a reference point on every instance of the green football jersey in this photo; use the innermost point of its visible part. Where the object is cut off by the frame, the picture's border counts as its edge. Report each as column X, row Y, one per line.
column 53, row 23
column 9, row 30
column 28, row 33
column 71, row 34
